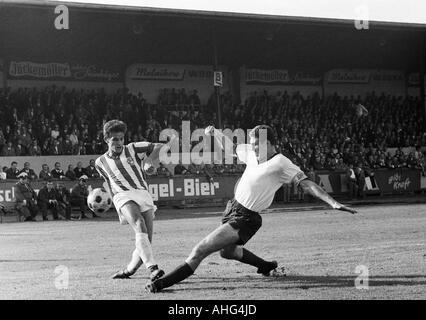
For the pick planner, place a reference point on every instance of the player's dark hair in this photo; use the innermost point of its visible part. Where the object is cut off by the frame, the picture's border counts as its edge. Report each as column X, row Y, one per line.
column 114, row 126
column 270, row 135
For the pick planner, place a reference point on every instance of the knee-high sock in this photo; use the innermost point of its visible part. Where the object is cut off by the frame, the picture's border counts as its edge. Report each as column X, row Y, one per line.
column 177, row 275
column 251, row 259
column 145, row 249
column 135, row 263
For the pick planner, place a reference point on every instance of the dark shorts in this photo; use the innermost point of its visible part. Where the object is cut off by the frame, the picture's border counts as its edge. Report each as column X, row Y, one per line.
column 247, row 222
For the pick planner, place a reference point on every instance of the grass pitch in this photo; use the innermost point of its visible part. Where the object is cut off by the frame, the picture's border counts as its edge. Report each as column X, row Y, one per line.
column 320, row 251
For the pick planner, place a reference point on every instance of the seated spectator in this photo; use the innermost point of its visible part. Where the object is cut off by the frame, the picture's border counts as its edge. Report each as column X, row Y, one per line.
column 310, row 173
column 206, row 170
column 180, row 169
column 8, row 150
column 381, row 162
column 74, row 141
column 2, row 139
column 411, row 161
column 193, row 169
column 89, row 147
column 3, row 175
column 70, row 174
column 317, row 163
column 418, row 154
column 64, row 197
column 91, row 171
column 372, row 162
column 229, row 168
column 34, row 149
column 331, row 163
column 54, row 133
column 323, row 164
column 67, row 147
column 404, row 160
column 163, row 171
column 79, row 195
column 422, row 165
column 20, row 149
column 45, row 148
column 12, row 172
column 30, row 172
column 341, row 165
column 56, row 148
column 45, row 173
column 26, row 198
column 58, row 173
column 48, row 201
column 219, row 169
column 79, row 170
column 395, row 162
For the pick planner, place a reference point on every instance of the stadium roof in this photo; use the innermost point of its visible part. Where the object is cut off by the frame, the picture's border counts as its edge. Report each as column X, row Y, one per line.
column 126, row 34
column 201, row 9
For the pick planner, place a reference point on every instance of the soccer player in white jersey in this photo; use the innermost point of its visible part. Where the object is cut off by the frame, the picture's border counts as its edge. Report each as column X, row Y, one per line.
column 265, row 173
column 121, row 167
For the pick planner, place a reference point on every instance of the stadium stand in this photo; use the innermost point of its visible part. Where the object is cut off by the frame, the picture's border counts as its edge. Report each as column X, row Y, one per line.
column 320, row 133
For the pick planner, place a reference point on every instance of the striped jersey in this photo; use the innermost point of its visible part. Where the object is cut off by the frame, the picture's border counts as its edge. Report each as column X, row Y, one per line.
column 124, row 173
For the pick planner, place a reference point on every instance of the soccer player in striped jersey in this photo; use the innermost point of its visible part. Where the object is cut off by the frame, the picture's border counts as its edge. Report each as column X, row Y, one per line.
column 121, row 168
column 266, row 171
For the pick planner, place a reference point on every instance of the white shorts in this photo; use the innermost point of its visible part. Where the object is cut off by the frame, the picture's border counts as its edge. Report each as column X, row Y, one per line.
column 141, row 197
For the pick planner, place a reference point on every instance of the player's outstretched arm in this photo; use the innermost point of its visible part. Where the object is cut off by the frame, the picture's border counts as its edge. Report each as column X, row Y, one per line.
column 315, row 190
column 152, row 162
column 220, row 137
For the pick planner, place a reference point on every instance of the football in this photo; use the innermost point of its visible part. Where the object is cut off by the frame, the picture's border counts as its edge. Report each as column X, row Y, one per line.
column 99, row 200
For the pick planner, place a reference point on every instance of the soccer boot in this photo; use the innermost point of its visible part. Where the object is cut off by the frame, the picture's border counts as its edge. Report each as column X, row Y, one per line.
column 155, row 273
column 122, row 274
column 153, row 286
column 267, row 269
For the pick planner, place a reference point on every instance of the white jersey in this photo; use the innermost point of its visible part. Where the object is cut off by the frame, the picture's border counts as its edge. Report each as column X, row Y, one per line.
column 259, row 182
column 125, row 173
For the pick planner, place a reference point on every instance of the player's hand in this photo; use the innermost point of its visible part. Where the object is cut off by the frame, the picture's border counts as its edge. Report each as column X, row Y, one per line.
column 345, row 208
column 209, row 131
column 149, row 169
column 173, row 137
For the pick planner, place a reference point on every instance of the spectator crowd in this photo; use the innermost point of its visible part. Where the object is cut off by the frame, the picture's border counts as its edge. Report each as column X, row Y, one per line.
column 52, row 199
column 317, row 133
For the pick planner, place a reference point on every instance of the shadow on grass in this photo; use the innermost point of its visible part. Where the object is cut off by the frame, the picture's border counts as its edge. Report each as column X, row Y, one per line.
column 297, row 282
